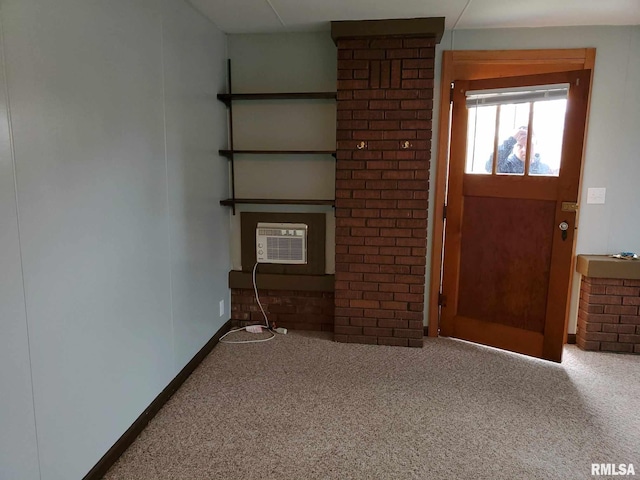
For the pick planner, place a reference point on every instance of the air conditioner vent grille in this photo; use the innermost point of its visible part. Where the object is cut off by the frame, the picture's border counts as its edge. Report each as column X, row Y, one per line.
column 281, row 243
column 284, row 248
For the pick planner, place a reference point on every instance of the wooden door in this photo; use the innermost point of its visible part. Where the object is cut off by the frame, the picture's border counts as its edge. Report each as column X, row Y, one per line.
column 507, row 263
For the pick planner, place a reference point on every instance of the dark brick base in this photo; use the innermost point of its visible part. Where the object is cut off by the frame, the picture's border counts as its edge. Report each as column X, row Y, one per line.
column 289, row 309
column 608, row 315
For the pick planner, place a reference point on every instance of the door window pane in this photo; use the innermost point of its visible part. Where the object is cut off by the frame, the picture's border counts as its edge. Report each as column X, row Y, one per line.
column 481, row 128
column 520, row 111
column 512, row 139
column 546, row 143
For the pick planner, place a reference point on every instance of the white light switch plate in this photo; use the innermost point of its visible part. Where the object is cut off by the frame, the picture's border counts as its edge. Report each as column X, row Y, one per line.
column 221, row 307
column 596, row 195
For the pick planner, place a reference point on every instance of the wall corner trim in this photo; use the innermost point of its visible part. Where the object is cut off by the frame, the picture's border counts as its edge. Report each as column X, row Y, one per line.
column 128, row 437
column 429, row 26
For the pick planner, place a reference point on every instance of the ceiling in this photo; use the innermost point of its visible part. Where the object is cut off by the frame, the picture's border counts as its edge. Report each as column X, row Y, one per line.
column 279, row 16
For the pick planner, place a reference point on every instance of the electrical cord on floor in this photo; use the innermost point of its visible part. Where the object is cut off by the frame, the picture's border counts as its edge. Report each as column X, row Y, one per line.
column 266, row 320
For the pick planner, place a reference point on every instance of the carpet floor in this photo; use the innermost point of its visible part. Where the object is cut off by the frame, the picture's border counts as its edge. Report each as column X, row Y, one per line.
column 305, row 407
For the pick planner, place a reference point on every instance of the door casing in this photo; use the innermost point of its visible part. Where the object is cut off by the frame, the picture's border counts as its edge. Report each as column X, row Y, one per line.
column 475, row 65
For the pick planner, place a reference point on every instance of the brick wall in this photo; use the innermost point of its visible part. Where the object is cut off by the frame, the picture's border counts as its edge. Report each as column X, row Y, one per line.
column 384, row 108
column 608, row 315
column 295, row 310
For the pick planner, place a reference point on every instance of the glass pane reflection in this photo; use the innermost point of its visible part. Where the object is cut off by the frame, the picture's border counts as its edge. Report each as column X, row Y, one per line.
column 481, row 127
column 510, row 149
column 548, row 129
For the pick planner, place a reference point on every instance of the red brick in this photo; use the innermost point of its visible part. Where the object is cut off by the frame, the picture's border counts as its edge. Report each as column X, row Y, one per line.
column 379, row 278
column 628, row 338
column 615, row 328
column 627, row 291
column 377, row 296
column 631, row 300
column 414, row 73
column 417, row 83
column 377, row 313
column 361, row 267
column 420, row 42
column 616, row 347
column 365, row 232
column 382, row 223
column 386, row 104
column 396, row 73
column 601, row 336
column 364, row 286
column 367, row 175
column 402, row 94
column 380, row 241
column 417, row 63
column 353, row 104
column 364, row 304
column 408, row 333
column 393, row 341
column 393, row 323
column 369, row 54
column 347, row 330
column 379, row 259
column 601, row 299
column 368, row 95
column 385, row 74
column 602, row 318
column 593, row 289
column 604, row 281
column 416, row 104
column 367, row 114
column 367, row 340
column 394, row 287
column 630, row 319
column 363, row 322
column 410, row 315
column 600, row 327
column 378, row 332
column 426, row 73
column 395, row 269
column 416, row 342
column 631, row 283
column 621, row 309
column 427, row 53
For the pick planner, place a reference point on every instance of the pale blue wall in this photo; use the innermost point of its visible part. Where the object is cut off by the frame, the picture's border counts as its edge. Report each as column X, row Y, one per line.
column 123, row 245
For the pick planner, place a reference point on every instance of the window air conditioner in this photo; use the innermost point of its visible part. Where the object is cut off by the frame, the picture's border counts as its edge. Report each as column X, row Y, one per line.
column 281, row 243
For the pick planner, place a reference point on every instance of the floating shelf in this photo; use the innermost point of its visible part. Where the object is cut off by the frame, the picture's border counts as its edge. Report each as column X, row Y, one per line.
column 230, row 153
column 230, row 202
column 228, row 97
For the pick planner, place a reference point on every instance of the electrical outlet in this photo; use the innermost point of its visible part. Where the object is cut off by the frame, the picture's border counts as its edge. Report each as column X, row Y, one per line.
column 221, row 308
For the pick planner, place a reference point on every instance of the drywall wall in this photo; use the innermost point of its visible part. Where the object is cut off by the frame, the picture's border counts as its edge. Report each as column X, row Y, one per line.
column 123, row 245
column 302, row 62
column 18, row 448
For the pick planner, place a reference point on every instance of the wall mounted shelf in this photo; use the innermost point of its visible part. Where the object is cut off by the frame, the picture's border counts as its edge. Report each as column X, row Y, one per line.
column 230, row 202
column 227, row 98
column 230, row 153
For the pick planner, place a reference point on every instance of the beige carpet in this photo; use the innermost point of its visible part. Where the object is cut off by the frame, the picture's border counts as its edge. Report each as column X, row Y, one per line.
column 305, row 407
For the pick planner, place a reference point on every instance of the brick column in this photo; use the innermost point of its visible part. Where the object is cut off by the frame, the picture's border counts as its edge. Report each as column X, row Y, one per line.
column 608, row 315
column 385, row 101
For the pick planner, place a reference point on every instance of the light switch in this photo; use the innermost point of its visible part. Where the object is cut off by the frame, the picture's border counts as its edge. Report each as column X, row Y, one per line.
column 596, row 195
